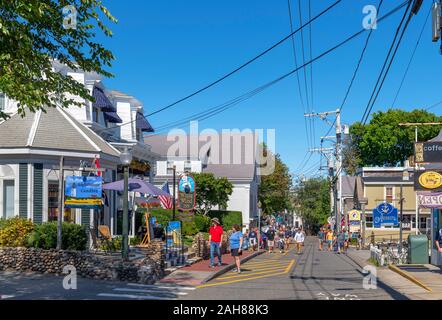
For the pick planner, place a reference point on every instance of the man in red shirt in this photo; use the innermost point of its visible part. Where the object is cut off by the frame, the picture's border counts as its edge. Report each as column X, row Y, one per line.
column 215, row 240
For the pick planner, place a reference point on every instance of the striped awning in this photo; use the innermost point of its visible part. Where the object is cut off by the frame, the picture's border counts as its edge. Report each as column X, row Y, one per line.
column 101, row 101
column 143, row 124
column 112, row 117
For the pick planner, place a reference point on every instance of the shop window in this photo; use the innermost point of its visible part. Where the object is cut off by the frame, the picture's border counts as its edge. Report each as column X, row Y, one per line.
column 389, row 194
column 69, row 214
column 423, row 222
column 8, row 196
column 369, row 222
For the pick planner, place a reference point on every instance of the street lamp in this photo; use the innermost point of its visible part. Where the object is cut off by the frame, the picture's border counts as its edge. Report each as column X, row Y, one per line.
column 259, row 222
column 126, row 160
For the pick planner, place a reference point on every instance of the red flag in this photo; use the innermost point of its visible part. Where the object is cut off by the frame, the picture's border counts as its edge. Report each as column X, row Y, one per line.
column 97, row 166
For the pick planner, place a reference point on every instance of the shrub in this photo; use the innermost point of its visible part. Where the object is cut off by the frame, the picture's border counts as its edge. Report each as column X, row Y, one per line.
column 135, row 241
column 227, row 218
column 14, row 232
column 202, row 223
column 74, row 237
column 189, row 228
column 163, row 216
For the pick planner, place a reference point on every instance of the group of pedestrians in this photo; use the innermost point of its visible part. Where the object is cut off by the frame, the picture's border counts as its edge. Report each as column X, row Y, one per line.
column 329, row 240
column 281, row 237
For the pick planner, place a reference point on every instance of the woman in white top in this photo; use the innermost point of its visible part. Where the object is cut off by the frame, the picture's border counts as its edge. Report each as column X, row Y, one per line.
column 299, row 240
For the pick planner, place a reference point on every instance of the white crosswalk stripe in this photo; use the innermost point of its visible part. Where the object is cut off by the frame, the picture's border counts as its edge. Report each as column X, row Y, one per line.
column 136, row 291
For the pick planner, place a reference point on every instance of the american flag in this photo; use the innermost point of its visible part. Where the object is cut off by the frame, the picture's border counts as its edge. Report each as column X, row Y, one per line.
column 166, row 201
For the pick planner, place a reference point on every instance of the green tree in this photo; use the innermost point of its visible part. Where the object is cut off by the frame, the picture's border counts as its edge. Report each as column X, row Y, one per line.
column 211, row 192
column 312, row 201
column 382, row 142
column 35, row 33
column 274, row 190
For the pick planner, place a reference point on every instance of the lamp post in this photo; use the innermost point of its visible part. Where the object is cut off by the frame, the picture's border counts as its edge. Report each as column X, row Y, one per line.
column 126, row 159
column 259, row 224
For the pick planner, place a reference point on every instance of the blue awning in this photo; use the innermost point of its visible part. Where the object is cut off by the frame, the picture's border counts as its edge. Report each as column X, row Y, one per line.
column 112, row 117
column 143, row 124
column 101, row 101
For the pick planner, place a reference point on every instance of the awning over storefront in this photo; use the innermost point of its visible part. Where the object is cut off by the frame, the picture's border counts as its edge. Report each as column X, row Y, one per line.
column 101, row 101
column 112, row 117
column 143, row 124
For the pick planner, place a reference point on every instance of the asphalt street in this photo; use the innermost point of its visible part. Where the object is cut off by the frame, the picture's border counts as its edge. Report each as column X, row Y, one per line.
column 312, row 275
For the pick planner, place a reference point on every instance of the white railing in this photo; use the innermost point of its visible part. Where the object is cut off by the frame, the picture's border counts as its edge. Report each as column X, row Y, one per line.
column 377, row 255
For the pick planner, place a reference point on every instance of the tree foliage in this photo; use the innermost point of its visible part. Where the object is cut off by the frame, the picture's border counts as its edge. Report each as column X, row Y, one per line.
column 274, row 190
column 211, row 192
column 312, row 201
column 34, row 33
column 382, row 142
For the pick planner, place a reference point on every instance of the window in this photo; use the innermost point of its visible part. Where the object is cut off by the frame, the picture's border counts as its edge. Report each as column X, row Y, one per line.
column 369, row 222
column 389, row 194
column 69, row 214
column 423, row 222
column 8, row 199
column 2, row 101
column 95, row 114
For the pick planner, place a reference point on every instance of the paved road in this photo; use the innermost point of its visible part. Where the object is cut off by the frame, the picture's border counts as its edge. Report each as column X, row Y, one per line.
column 313, row 275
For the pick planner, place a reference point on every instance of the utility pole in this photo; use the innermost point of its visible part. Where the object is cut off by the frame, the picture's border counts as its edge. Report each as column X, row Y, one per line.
column 60, row 203
column 338, row 149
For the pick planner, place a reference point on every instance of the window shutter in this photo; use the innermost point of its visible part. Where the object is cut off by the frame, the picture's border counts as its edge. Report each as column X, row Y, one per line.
column 23, row 190
column 38, row 193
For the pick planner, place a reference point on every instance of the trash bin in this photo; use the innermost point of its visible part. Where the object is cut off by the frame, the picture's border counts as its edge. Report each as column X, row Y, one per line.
column 418, row 249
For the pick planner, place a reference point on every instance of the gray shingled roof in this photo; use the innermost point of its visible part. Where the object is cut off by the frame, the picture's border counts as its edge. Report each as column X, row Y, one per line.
column 242, row 169
column 53, row 129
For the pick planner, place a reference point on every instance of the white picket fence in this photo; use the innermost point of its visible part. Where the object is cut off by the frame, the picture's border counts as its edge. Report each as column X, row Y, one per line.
column 377, row 255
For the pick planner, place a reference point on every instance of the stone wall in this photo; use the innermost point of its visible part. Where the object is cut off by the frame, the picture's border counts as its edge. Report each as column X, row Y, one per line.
column 202, row 247
column 146, row 270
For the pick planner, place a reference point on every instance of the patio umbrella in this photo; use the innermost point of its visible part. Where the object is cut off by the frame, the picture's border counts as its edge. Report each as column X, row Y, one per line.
column 136, row 185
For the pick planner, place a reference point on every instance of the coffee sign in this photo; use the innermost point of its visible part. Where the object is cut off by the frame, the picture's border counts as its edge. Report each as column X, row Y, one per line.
column 429, row 180
column 428, row 152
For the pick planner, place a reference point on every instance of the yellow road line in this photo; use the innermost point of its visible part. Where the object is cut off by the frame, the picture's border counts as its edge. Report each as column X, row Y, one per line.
column 267, row 268
column 241, row 275
column 289, row 267
column 268, row 263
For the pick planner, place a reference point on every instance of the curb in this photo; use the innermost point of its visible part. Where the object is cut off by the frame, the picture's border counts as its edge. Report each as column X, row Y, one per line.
column 231, row 266
column 408, row 276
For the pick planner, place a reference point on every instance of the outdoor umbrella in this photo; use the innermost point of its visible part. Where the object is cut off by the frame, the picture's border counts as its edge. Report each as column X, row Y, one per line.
column 136, row 185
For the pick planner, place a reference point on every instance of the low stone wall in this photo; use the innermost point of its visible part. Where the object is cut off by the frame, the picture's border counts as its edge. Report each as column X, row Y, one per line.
column 202, row 247
column 146, row 270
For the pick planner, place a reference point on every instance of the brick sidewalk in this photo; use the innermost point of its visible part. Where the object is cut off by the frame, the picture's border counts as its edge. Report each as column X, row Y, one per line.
column 200, row 272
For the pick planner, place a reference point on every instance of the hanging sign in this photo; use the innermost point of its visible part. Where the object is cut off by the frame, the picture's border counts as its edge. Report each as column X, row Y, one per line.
column 430, row 180
column 385, row 215
column 354, row 220
column 186, row 193
column 430, row 200
column 83, row 192
column 428, row 152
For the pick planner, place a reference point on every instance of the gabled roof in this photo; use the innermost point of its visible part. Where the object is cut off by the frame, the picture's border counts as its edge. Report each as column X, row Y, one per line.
column 54, row 129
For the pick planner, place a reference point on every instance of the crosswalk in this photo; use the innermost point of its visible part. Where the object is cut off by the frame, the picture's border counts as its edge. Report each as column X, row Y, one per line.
column 261, row 267
column 136, row 291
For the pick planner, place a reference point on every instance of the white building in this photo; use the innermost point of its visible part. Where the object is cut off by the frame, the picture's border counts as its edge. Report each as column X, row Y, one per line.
column 236, row 162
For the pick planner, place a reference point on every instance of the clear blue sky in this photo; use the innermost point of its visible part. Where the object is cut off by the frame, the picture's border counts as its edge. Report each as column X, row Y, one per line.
column 167, row 49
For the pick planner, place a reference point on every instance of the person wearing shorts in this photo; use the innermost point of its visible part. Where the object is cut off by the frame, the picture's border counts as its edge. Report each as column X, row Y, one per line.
column 321, row 239
column 329, row 238
column 236, row 244
column 271, row 233
column 288, row 238
column 299, row 240
column 253, row 239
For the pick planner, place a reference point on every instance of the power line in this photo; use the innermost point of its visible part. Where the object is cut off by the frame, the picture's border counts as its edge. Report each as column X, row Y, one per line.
column 221, row 108
column 434, row 105
column 236, row 69
column 388, row 60
column 411, row 60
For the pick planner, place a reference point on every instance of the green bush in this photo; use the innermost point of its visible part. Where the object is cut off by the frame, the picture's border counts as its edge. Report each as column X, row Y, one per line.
column 135, row 241
column 163, row 216
column 202, row 223
column 189, row 228
column 74, row 237
column 227, row 218
column 14, row 232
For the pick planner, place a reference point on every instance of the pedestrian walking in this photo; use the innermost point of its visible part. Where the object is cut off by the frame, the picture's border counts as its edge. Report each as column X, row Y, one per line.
column 236, row 244
column 340, row 240
column 253, row 239
column 271, row 234
column 299, row 240
column 346, row 240
column 215, row 240
column 288, row 238
column 329, row 237
column 321, row 239
column 359, row 241
column 281, row 239
column 245, row 245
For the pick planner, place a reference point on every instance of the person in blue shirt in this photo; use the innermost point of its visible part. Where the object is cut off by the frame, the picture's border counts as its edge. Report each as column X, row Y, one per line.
column 236, row 243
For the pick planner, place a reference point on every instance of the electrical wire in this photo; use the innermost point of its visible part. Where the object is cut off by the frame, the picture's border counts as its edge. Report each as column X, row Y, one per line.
column 388, row 60
column 411, row 60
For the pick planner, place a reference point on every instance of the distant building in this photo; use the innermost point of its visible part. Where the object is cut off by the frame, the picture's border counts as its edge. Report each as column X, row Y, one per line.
column 235, row 161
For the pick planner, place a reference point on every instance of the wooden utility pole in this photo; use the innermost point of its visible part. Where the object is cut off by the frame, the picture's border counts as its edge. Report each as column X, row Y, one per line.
column 60, row 203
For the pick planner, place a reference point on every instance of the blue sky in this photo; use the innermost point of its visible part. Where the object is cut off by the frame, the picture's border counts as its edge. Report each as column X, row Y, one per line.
column 167, row 49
